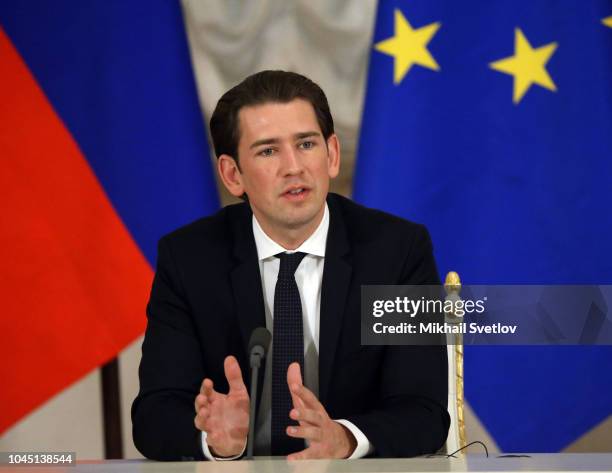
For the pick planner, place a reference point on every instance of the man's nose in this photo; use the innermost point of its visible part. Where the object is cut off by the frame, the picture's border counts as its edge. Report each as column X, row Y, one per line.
column 291, row 161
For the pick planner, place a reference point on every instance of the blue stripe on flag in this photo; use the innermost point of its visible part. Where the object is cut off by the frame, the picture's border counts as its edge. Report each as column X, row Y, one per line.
column 119, row 75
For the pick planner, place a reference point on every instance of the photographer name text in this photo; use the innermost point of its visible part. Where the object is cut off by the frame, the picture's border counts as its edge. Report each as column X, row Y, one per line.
column 443, row 328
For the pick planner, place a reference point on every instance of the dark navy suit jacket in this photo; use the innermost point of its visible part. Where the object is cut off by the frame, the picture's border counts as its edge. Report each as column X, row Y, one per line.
column 207, row 299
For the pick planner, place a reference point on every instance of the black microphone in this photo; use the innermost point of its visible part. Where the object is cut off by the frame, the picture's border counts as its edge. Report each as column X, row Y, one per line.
column 258, row 348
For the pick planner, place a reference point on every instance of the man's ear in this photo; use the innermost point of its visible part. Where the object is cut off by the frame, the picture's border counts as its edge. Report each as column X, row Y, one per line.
column 230, row 175
column 333, row 156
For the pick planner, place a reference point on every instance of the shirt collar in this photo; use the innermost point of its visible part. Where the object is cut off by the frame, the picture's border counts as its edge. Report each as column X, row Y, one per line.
column 314, row 244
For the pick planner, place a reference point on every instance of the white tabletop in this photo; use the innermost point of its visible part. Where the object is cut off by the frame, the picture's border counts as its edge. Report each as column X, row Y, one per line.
column 536, row 462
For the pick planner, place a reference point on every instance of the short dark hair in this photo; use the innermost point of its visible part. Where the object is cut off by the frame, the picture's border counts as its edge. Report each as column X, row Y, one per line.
column 260, row 88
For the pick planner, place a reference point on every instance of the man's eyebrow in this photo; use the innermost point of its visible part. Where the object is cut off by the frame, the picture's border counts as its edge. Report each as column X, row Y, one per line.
column 265, row 141
column 273, row 141
column 306, row 134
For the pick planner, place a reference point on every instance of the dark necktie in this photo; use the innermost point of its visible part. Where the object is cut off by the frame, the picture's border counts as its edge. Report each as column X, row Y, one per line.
column 287, row 347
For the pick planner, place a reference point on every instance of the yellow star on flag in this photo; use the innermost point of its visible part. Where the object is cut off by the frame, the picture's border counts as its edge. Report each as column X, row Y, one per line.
column 409, row 47
column 527, row 66
column 607, row 21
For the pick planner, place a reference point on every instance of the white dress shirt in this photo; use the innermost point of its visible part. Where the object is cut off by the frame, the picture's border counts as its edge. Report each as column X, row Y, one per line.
column 308, row 276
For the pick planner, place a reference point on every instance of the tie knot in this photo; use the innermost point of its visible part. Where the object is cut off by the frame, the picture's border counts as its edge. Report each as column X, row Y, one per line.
column 289, row 263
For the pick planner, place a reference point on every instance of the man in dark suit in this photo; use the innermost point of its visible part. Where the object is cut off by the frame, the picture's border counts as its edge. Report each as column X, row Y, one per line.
column 293, row 258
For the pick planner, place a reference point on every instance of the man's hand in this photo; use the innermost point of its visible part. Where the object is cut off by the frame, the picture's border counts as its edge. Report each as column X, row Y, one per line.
column 224, row 417
column 327, row 438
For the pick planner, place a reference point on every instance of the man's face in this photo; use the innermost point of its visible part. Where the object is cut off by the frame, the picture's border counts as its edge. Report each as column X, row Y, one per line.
column 285, row 165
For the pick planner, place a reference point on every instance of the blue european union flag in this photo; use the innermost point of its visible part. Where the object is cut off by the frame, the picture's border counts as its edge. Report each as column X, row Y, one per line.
column 491, row 122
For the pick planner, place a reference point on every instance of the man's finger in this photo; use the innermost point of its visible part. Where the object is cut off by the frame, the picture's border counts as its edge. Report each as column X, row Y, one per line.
column 207, row 387
column 208, row 390
column 203, row 413
column 294, row 376
column 200, row 401
column 307, row 432
column 201, row 419
column 233, row 374
column 307, row 396
column 305, row 454
column 307, row 416
column 297, row 402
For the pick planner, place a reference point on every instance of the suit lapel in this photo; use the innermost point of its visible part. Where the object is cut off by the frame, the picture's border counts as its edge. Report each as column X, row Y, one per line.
column 248, row 296
column 336, row 280
column 245, row 277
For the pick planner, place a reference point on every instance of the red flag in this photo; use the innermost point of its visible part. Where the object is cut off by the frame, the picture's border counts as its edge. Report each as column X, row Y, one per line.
column 74, row 283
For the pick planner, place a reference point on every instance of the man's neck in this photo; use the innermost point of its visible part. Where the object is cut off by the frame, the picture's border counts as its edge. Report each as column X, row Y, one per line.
column 291, row 238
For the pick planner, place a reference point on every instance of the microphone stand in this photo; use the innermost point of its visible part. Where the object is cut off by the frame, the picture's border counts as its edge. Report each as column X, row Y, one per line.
column 257, row 354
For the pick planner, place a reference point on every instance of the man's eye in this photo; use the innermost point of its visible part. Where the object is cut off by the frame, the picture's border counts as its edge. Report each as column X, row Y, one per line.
column 307, row 144
column 266, row 152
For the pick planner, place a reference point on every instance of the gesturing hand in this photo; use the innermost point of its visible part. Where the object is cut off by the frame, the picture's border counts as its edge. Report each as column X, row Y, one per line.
column 224, row 417
column 327, row 438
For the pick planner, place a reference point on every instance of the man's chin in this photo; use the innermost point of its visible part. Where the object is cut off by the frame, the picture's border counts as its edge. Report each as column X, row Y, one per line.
column 300, row 218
